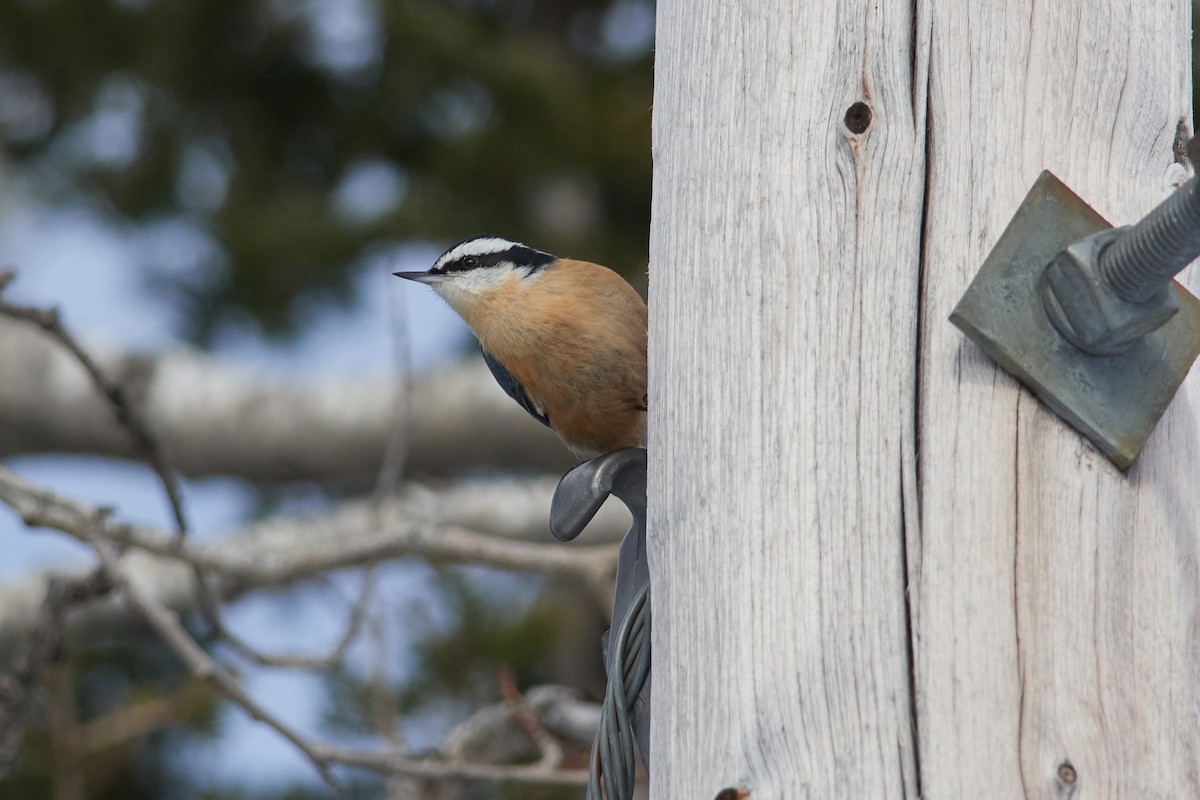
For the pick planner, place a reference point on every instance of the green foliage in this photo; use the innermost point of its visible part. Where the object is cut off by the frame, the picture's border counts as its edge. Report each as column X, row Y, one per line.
column 109, row 675
column 252, row 124
column 459, row 656
column 460, row 661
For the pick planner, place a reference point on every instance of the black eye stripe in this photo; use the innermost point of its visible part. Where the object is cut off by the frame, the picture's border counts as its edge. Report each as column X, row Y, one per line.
column 518, row 255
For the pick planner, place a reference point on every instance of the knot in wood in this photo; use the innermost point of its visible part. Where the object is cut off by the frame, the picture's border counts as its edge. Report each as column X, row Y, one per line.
column 858, row 118
column 733, row 793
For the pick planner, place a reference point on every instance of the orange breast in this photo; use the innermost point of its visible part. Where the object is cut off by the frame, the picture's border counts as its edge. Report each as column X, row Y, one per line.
column 574, row 335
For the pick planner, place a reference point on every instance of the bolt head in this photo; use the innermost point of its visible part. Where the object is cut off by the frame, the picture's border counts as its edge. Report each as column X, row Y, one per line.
column 1085, row 309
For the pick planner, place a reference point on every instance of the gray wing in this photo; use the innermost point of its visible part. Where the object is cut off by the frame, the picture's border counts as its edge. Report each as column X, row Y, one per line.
column 513, row 388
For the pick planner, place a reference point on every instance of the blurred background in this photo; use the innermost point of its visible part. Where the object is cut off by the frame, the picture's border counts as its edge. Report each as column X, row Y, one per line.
column 214, row 193
column 239, row 178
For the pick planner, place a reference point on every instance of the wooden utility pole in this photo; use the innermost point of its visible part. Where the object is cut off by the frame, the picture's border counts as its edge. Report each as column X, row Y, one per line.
column 880, row 568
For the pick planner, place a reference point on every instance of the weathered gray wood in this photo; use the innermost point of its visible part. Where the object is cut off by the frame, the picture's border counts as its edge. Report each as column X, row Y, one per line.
column 1056, row 598
column 805, row 439
column 783, row 292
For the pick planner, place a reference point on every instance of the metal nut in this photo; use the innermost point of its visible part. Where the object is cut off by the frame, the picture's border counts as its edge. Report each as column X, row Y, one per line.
column 1083, row 306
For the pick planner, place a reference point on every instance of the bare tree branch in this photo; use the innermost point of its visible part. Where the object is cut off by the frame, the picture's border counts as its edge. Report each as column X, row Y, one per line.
column 304, row 557
column 166, row 624
column 353, row 626
column 128, row 417
column 441, row 526
column 546, row 703
column 550, row 751
column 492, row 734
column 66, row 746
column 391, row 468
column 389, row 763
column 124, row 411
column 218, row 420
column 226, row 423
column 146, row 565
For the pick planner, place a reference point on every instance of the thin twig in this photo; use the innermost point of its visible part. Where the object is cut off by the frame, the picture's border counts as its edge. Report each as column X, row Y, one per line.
column 168, row 627
column 166, row 624
column 383, row 707
column 549, row 748
column 386, row 721
column 94, row 526
column 354, row 625
column 396, row 454
column 146, row 443
column 48, row 319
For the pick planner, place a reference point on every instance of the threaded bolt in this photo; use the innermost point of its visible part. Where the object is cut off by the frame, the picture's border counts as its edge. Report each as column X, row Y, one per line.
column 1144, row 260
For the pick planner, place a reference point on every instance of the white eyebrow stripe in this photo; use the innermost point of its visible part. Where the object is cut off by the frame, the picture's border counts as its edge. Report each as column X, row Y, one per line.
column 475, row 247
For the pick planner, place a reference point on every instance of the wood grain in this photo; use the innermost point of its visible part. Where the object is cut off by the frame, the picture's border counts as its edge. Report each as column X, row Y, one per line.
column 880, row 567
column 1057, row 597
column 783, row 296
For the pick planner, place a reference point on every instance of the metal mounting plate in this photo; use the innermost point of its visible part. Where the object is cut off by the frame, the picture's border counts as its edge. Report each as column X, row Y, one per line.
column 1114, row 400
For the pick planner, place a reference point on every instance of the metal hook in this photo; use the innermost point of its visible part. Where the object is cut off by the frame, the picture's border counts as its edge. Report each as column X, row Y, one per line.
column 626, row 712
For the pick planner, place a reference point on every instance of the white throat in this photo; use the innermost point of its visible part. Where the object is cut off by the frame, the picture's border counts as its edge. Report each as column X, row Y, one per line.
column 463, row 287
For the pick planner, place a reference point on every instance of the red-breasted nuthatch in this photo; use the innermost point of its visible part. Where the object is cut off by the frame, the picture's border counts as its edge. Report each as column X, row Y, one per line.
column 566, row 339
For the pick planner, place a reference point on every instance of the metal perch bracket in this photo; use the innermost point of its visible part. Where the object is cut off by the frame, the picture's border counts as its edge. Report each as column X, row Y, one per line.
column 625, row 717
column 1087, row 315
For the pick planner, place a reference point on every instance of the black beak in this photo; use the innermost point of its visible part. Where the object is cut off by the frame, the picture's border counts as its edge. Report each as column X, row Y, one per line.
column 428, row 278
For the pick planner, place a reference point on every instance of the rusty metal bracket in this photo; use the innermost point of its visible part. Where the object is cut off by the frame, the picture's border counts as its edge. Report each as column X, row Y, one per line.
column 1031, row 300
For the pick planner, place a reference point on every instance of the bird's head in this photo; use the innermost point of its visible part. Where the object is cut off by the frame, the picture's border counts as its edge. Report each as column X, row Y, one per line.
column 477, row 265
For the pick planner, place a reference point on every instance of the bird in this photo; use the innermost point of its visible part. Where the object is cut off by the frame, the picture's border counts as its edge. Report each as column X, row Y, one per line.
column 564, row 338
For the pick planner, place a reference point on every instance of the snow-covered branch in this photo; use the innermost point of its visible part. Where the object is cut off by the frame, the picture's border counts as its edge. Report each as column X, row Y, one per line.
column 214, row 419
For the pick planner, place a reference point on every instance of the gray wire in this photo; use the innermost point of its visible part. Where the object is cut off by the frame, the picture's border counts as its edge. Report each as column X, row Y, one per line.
column 612, row 766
